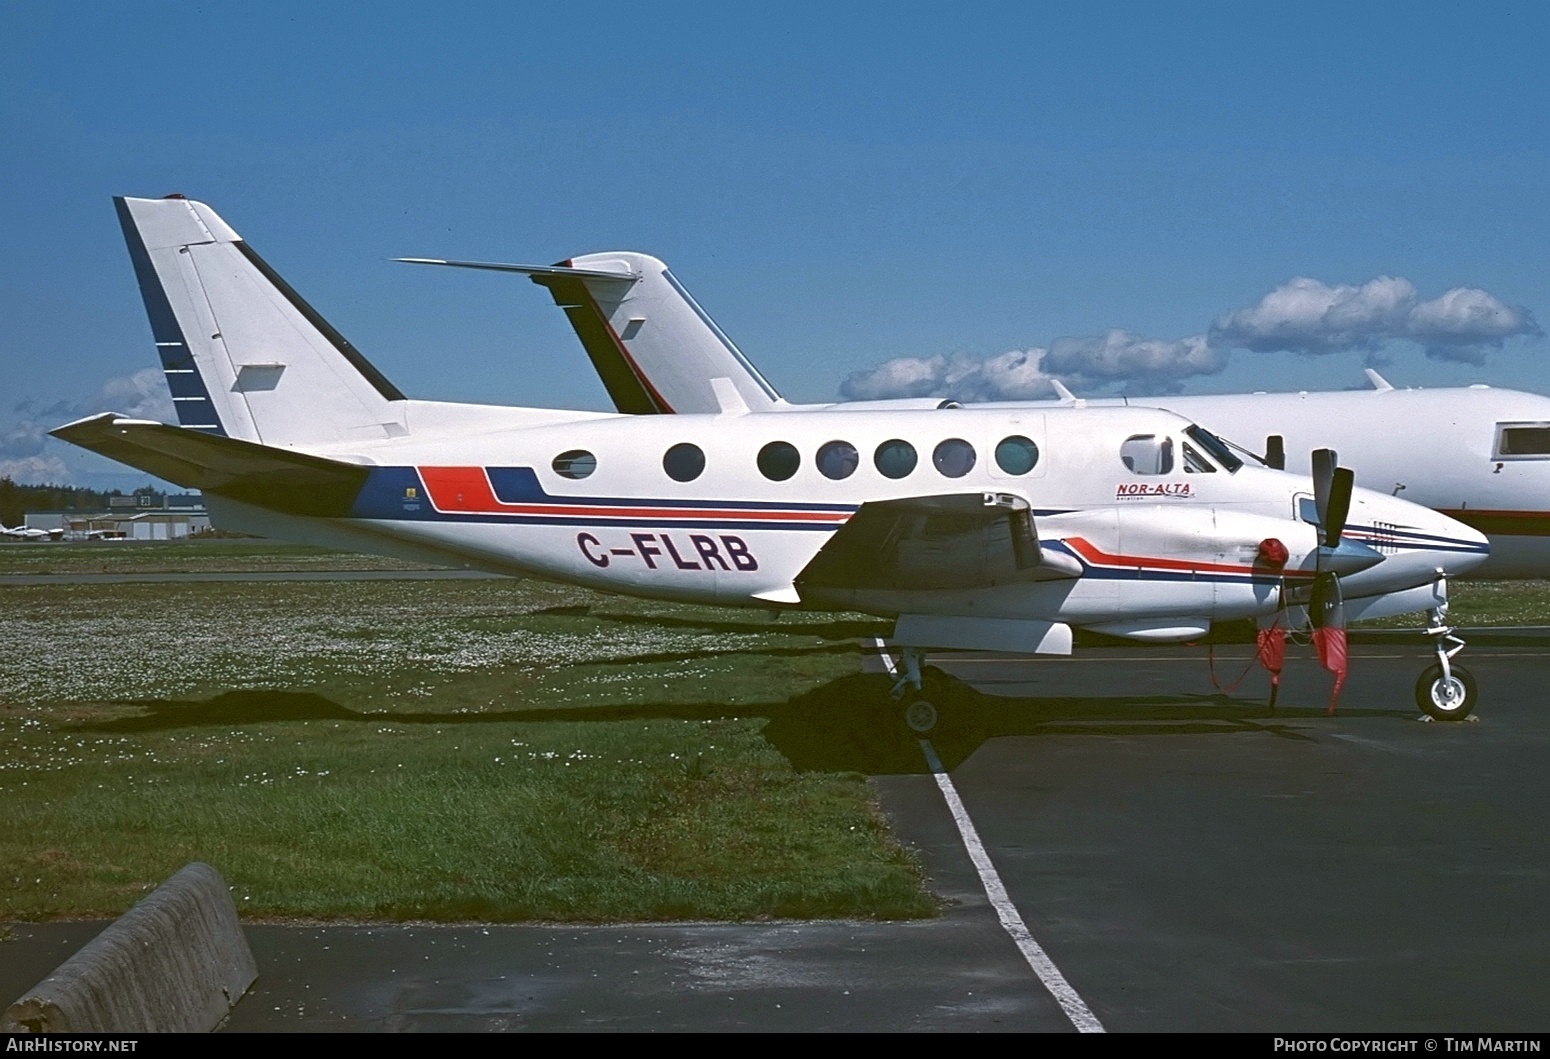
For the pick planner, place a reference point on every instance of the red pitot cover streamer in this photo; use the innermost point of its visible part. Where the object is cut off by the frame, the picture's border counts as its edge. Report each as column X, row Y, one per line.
column 1270, row 646
column 1332, row 656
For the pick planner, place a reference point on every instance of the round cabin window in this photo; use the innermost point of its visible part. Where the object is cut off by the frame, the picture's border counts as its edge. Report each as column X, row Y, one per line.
column 684, row 463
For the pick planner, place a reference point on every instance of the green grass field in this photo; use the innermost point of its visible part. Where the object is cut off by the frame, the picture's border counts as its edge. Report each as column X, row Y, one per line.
column 453, row 750
column 469, row 750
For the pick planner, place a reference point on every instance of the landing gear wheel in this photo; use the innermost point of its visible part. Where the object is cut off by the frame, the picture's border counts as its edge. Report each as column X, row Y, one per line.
column 920, row 715
column 1446, row 700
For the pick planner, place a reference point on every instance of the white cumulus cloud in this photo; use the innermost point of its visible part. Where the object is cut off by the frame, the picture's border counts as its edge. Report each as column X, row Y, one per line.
column 1014, row 375
column 35, row 470
column 143, row 395
column 1465, row 322
column 1305, row 315
column 29, row 455
column 1144, row 365
column 1150, row 365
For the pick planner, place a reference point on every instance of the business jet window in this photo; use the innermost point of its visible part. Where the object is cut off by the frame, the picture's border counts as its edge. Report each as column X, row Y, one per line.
column 779, row 460
column 954, row 458
column 838, row 459
column 684, row 463
column 895, row 459
column 1522, row 441
column 1147, row 454
column 1016, row 455
column 575, row 464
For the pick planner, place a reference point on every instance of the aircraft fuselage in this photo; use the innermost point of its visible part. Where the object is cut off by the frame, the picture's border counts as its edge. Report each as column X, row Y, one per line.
column 600, row 502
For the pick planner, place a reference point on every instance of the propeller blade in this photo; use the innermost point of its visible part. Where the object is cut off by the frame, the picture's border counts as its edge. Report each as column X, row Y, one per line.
column 1339, row 506
column 1327, row 608
column 1323, row 461
column 1332, row 487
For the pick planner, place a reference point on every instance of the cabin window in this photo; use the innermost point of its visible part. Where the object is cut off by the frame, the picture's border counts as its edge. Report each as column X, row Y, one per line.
column 1147, row 454
column 575, row 464
column 684, row 463
column 954, row 458
column 779, row 460
column 895, row 459
column 1017, row 454
column 1522, row 441
column 838, row 459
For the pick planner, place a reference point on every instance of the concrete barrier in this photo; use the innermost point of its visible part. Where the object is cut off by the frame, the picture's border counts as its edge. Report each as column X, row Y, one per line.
column 177, row 962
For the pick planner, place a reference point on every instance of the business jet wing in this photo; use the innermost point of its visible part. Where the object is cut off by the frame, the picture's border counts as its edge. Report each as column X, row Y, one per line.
column 957, row 541
column 282, row 479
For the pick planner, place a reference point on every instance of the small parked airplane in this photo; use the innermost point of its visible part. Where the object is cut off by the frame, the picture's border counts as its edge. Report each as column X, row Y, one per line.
column 1476, row 453
column 994, row 529
column 30, row 533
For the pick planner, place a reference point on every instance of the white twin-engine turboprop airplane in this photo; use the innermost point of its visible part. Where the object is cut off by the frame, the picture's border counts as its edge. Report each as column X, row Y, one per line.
column 999, row 529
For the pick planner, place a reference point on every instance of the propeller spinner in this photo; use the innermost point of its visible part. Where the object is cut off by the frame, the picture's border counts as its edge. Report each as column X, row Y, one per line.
column 1332, row 486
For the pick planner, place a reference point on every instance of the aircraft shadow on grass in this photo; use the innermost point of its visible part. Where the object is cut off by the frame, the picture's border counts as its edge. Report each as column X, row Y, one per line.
column 849, row 724
column 782, row 623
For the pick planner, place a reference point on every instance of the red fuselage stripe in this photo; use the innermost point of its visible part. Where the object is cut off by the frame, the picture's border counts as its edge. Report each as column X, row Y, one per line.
column 467, row 491
column 1098, row 557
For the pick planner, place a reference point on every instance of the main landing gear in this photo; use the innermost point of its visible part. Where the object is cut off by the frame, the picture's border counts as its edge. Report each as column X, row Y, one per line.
column 1444, row 692
column 920, row 713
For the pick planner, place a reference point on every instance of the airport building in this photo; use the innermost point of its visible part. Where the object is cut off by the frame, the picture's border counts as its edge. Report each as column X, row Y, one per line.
column 139, row 518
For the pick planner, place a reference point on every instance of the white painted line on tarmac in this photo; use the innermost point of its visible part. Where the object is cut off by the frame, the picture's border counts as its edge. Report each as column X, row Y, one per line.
column 882, row 652
column 1070, row 1001
column 1374, row 744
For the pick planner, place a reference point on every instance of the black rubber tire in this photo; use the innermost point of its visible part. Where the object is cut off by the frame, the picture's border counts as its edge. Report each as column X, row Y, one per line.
column 921, row 716
column 1444, row 703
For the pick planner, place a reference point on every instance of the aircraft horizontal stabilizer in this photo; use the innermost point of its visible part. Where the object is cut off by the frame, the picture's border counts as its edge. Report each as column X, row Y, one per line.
column 279, row 479
column 957, row 541
column 529, row 270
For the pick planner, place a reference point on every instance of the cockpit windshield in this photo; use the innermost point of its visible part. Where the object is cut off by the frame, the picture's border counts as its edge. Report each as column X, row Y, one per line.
column 1214, row 447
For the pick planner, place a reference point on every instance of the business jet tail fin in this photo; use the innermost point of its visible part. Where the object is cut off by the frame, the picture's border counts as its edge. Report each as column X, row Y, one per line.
column 655, row 349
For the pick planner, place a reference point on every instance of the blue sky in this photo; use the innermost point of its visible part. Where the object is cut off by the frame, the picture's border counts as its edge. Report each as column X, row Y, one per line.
column 1207, row 197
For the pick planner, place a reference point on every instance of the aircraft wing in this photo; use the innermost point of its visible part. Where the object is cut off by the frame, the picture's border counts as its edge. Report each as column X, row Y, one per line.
column 962, row 540
column 288, row 481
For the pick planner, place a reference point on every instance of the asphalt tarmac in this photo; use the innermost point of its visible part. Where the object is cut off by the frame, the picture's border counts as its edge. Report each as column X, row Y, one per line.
column 1186, row 858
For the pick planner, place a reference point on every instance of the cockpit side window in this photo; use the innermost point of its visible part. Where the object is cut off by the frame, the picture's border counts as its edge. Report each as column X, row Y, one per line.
column 1214, row 447
column 1194, row 463
column 1522, row 441
column 1147, row 454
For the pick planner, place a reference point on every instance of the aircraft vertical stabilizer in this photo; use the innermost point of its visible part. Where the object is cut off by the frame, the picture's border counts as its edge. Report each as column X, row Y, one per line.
column 671, row 340
column 244, row 355
column 654, row 348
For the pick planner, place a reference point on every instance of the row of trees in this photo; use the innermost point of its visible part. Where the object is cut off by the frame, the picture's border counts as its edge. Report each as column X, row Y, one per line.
column 17, row 500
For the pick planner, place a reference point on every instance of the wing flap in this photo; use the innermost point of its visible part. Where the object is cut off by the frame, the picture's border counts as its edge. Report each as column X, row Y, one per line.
column 279, row 479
